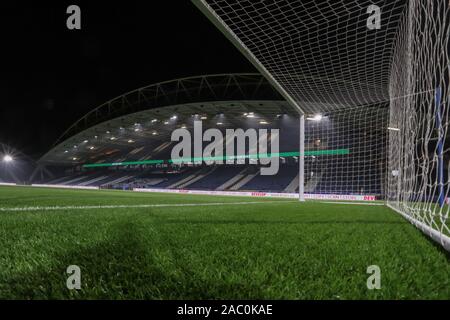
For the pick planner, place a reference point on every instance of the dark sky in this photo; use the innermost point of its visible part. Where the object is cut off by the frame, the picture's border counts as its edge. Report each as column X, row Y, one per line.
column 52, row 76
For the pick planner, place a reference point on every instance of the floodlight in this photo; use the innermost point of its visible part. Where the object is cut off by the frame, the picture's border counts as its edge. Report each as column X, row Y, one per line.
column 7, row 158
column 317, row 117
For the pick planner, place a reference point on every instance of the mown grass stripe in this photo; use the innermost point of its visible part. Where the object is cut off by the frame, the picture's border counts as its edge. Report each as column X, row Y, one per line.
column 138, row 206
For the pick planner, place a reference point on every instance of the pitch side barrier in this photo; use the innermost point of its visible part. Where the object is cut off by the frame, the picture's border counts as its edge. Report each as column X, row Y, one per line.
column 308, row 196
column 59, row 186
column 264, row 194
column 8, row 184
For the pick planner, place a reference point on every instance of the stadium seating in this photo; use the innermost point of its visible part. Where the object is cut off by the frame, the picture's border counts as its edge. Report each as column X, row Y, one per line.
column 275, row 183
column 221, row 175
column 318, row 179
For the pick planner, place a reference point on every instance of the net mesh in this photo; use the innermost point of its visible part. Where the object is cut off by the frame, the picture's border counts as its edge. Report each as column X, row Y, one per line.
column 418, row 183
column 356, row 159
column 322, row 54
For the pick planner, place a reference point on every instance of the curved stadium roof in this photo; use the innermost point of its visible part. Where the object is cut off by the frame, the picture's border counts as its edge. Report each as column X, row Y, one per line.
column 148, row 115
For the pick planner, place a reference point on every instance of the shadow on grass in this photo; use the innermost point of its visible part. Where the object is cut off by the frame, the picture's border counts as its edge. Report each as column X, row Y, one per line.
column 123, row 267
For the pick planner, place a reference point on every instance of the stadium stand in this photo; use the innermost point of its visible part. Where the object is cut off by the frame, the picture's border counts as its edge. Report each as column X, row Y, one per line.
column 128, row 145
column 275, row 183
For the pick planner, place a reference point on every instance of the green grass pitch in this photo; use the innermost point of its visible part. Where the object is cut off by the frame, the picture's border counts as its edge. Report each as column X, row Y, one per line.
column 224, row 248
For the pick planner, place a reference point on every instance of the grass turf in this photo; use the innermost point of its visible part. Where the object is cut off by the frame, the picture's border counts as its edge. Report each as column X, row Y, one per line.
column 274, row 250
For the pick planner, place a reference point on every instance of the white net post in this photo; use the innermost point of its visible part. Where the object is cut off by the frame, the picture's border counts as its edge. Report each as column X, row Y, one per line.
column 301, row 160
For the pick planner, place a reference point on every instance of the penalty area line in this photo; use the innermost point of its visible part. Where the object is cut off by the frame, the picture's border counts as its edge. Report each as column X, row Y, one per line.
column 138, row 206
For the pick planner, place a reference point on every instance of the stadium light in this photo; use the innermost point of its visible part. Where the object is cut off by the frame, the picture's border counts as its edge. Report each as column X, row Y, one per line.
column 166, row 123
column 154, row 120
column 86, row 141
column 251, row 115
column 219, row 123
column 174, row 118
column 204, row 118
column 130, row 141
column 7, row 158
column 263, row 122
column 317, row 117
column 393, row 129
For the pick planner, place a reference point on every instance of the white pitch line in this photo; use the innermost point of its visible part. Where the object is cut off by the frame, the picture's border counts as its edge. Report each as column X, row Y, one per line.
column 138, row 206
column 354, row 203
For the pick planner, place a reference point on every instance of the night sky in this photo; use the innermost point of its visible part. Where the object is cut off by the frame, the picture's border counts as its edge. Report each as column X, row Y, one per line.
column 52, row 76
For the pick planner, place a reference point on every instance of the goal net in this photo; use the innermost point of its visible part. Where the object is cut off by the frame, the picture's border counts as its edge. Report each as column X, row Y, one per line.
column 378, row 65
column 346, row 153
column 418, row 158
